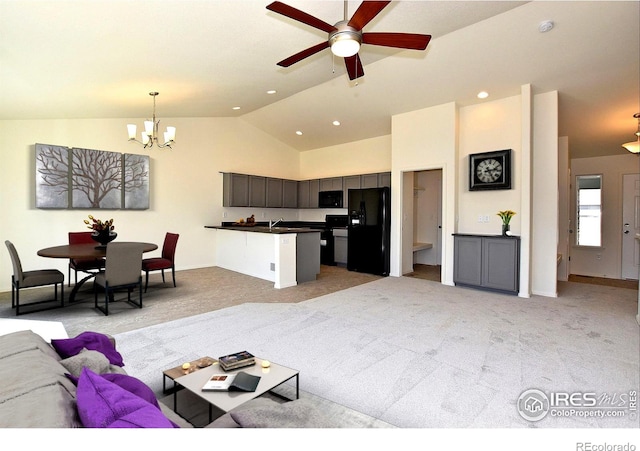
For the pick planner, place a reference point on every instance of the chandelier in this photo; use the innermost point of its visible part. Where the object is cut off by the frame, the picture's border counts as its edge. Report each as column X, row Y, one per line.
column 149, row 136
column 634, row 146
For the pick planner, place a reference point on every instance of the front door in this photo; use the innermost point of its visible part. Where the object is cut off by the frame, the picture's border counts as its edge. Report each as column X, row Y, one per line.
column 630, row 226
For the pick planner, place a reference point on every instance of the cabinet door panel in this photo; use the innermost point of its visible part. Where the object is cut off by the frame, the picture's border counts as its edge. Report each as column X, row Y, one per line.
column 235, row 190
column 500, row 257
column 257, row 191
column 303, row 194
column 274, row 193
column 369, row 181
column 314, row 189
column 289, row 194
column 467, row 267
column 352, row 182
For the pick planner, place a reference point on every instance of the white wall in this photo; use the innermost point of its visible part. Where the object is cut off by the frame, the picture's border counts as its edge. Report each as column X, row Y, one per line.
column 421, row 140
column 584, row 260
column 426, row 214
column 544, row 218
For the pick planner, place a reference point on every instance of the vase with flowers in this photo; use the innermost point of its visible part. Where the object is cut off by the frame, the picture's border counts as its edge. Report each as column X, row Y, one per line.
column 102, row 231
column 506, row 216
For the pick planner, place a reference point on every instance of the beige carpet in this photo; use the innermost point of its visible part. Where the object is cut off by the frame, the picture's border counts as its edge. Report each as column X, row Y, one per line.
column 198, row 291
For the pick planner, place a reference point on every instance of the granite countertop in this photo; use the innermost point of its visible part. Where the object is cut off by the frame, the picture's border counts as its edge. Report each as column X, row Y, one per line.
column 265, row 229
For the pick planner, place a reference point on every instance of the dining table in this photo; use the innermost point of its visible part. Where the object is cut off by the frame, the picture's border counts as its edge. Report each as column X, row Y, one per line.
column 80, row 251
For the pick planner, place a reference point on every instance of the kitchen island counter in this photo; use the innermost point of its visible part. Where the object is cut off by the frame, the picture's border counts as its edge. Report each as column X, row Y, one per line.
column 265, row 229
column 286, row 256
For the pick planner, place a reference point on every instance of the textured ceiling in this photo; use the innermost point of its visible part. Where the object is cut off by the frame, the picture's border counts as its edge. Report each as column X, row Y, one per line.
column 99, row 59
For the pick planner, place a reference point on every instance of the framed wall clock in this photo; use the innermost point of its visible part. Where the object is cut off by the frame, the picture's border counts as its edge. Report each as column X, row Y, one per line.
column 490, row 170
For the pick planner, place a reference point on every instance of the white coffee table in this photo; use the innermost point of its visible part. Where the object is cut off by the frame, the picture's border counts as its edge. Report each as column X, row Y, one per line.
column 270, row 378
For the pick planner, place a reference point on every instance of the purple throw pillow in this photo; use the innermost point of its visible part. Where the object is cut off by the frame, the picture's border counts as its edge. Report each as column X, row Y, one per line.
column 68, row 347
column 133, row 385
column 103, row 404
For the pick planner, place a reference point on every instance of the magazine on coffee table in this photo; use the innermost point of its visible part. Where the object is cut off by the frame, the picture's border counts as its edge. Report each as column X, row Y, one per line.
column 240, row 381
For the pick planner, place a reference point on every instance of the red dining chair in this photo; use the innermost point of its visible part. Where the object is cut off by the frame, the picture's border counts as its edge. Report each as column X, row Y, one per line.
column 164, row 262
column 83, row 264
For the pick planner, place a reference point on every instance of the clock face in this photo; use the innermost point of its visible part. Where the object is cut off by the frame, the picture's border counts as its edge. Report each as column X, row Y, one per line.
column 489, row 170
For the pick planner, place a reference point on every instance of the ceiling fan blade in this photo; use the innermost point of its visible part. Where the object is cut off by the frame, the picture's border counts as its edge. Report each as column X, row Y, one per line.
column 354, row 66
column 365, row 13
column 304, row 54
column 300, row 16
column 410, row 41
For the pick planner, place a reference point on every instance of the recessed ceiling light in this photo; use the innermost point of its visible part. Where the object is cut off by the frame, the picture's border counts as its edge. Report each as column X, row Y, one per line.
column 236, row 108
column 271, row 91
column 299, row 133
column 336, row 123
column 545, row 26
column 483, row 94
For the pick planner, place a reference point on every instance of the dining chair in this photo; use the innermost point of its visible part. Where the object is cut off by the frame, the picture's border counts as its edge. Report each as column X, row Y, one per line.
column 87, row 265
column 166, row 261
column 36, row 278
column 122, row 271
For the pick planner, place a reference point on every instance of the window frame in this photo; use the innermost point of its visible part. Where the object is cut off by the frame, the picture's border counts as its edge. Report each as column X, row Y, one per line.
column 577, row 210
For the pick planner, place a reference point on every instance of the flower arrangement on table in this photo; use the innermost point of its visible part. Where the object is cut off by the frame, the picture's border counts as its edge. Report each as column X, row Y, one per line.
column 98, row 225
column 102, row 231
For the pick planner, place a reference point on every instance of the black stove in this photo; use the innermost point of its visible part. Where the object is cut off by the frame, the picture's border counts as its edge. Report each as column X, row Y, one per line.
column 327, row 247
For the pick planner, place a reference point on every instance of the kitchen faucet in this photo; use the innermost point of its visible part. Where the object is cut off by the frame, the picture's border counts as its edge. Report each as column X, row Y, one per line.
column 273, row 223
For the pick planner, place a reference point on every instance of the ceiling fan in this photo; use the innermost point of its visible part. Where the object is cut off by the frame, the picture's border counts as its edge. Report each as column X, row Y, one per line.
column 346, row 36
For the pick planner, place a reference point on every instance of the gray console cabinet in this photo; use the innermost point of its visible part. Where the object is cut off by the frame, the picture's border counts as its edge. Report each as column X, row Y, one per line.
column 487, row 261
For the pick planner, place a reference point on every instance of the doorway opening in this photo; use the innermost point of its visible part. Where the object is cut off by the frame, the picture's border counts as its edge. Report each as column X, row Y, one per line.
column 427, row 225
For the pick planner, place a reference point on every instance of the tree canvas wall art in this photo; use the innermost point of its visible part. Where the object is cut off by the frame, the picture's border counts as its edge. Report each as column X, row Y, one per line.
column 87, row 178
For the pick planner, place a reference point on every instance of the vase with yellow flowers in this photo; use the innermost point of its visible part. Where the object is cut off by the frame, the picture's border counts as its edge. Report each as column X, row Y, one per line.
column 506, row 216
column 102, row 231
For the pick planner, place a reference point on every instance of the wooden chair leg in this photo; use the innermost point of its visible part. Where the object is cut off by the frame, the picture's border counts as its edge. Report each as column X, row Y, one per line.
column 173, row 274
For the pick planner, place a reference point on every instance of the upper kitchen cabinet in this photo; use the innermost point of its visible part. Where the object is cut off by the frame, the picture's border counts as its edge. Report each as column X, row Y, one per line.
column 377, row 180
column 308, row 193
column 257, row 191
column 350, row 182
column 369, row 181
column 274, row 193
column 289, row 194
column 331, row 184
column 235, row 190
column 384, row 179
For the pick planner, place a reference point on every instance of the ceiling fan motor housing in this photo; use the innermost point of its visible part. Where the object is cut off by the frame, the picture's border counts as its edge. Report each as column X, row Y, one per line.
column 343, row 35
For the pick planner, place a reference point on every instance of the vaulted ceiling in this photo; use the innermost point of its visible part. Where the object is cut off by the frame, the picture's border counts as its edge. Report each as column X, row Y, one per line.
column 101, row 58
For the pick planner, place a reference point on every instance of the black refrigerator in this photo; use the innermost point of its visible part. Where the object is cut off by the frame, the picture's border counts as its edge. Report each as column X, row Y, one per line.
column 369, row 227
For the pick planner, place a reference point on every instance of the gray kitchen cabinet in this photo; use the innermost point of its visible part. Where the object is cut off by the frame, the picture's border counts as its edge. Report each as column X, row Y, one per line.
column 274, row 193
column 331, row 184
column 235, row 190
column 257, row 191
column 369, row 181
column 289, row 194
column 340, row 246
column 308, row 193
column 314, row 189
column 487, row 261
column 303, row 194
column 350, row 182
column 384, row 179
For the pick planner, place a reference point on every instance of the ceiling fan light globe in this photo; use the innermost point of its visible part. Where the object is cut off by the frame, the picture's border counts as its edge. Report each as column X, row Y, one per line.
column 345, row 47
column 633, row 146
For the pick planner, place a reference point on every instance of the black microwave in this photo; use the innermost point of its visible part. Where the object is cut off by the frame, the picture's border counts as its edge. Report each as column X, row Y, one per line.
column 330, row 199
